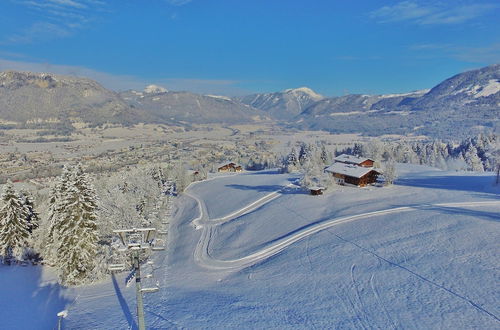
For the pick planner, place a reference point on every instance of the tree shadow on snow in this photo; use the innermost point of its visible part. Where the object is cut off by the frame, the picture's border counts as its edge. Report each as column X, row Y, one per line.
column 487, row 215
column 267, row 188
column 28, row 303
column 263, row 172
column 480, row 184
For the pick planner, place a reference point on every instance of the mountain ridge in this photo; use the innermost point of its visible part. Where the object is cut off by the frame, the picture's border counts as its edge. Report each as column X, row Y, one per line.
column 465, row 102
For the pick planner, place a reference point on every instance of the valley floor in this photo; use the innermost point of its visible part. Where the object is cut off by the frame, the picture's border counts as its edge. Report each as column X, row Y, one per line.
column 253, row 251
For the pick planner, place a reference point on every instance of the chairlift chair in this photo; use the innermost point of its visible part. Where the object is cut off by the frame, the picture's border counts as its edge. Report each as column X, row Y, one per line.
column 116, row 267
column 150, row 290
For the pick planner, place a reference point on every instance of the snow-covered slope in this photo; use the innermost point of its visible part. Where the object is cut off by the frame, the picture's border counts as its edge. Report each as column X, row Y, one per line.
column 45, row 97
column 285, row 104
column 252, row 251
column 471, row 88
column 154, row 89
column 463, row 104
column 193, row 108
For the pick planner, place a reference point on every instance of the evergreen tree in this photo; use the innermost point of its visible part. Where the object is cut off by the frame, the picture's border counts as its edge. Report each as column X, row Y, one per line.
column 472, row 159
column 77, row 230
column 324, row 155
column 305, row 153
column 291, row 162
column 56, row 210
column 33, row 217
column 357, row 150
column 390, row 172
column 14, row 226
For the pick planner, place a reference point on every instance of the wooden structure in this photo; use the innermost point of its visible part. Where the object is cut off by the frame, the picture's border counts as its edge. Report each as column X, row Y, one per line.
column 315, row 191
column 352, row 174
column 230, row 167
column 354, row 160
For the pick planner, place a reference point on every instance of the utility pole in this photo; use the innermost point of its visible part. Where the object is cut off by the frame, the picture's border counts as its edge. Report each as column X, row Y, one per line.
column 137, row 240
column 60, row 316
column 138, row 288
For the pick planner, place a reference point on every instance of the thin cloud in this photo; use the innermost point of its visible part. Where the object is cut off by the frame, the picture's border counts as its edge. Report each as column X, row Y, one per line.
column 178, row 2
column 356, row 58
column 126, row 82
column 56, row 19
column 39, row 31
column 480, row 54
column 69, row 3
column 420, row 14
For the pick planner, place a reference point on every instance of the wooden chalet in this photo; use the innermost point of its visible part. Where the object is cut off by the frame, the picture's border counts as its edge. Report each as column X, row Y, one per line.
column 354, row 160
column 352, row 174
column 230, row 167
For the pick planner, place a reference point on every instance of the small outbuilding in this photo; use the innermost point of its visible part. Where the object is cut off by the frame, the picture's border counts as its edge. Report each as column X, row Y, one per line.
column 315, row 191
column 352, row 174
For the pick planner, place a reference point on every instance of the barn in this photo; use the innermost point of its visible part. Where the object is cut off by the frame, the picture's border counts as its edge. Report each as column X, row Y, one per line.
column 230, row 167
column 352, row 174
column 354, row 160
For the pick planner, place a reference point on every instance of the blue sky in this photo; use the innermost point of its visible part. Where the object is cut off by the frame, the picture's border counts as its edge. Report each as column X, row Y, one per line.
column 236, row 47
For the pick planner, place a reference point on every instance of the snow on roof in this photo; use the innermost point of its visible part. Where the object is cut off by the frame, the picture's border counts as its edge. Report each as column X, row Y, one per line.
column 349, row 169
column 227, row 163
column 350, row 159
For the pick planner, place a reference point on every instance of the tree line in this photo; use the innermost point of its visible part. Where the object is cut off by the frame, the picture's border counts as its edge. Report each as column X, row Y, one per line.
column 73, row 231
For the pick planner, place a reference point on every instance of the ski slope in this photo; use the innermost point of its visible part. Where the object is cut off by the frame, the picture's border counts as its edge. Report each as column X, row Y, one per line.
column 252, row 251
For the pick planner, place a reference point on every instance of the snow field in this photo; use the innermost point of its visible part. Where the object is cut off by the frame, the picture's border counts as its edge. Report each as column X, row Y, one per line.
column 252, row 232
column 420, row 254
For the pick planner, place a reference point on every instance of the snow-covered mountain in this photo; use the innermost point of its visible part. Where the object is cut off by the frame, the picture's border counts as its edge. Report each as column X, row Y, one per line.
column 356, row 103
column 155, row 89
column 193, row 108
column 461, row 105
column 285, row 104
column 472, row 88
column 38, row 97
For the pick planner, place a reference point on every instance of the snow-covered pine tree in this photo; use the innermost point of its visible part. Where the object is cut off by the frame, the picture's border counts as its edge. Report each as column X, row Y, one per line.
column 55, row 216
column 290, row 162
column 357, row 150
column 77, row 231
column 493, row 156
column 390, row 171
column 305, row 153
column 14, row 227
column 33, row 217
column 30, row 253
column 325, row 159
column 472, row 159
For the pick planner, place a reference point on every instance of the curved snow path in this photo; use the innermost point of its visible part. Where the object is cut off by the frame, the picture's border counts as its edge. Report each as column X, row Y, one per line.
column 203, row 257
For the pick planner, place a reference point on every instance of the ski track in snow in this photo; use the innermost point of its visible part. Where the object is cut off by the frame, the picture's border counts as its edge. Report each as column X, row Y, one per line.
column 203, row 257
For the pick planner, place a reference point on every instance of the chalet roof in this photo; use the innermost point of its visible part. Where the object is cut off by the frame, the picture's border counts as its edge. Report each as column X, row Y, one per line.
column 349, row 170
column 228, row 163
column 350, row 159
